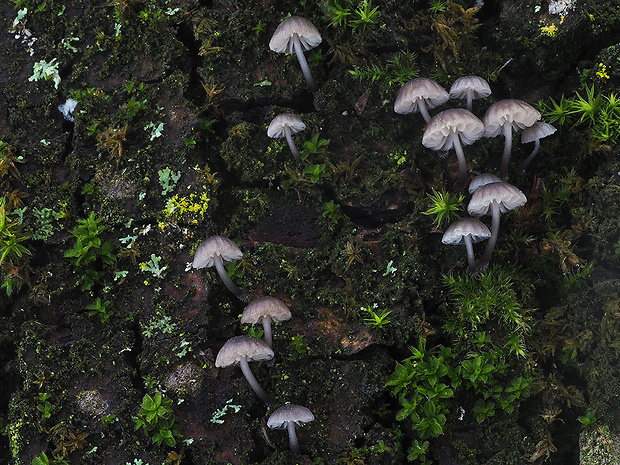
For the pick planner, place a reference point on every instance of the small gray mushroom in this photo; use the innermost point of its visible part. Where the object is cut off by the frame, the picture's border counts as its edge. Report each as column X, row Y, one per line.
column 534, row 133
column 297, row 34
column 469, row 88
column 285, row 125
column 287, row 417
column 240, row 350
column 420, row 95
column 467, row 231
column 494, row 199
column 502, row 118
column 266, row 310
column 214, row 252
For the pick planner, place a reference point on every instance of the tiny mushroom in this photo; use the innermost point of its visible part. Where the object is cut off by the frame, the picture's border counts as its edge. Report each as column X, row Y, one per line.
column 420, row 95
column 534, row 133
column 287, row 417
column 493, row 199
column 467, row 231
column 504, row 116
column 447, row 129
column 215, row 251
column 265, row 310
column 240, row 350
column 285, row 125
column 297, row 34
column 470, row 87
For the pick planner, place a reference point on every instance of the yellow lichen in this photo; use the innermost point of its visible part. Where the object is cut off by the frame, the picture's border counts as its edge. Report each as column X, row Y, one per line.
column 549, row 30
column 191, row 208
column 602, row 72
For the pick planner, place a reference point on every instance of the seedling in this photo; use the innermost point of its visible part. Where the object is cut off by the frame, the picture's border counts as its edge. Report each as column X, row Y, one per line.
column 445, row 207
column 100, row 309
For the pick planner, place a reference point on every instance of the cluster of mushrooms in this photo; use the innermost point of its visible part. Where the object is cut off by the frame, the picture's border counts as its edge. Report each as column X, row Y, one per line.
column 240, row 350
column 453, row 128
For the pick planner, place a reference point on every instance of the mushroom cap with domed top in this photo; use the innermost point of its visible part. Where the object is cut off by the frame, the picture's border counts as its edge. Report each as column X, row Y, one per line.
column 516, row 113
column 472, row 227
column 265, row 306
column 457, row 120
column 507, row 197
column 474, row 85
column 215, row 246
column 536, row 132
column 282, row 39
column 237, row 347
column 278, row 125
column 417, row 90
column 288, row 413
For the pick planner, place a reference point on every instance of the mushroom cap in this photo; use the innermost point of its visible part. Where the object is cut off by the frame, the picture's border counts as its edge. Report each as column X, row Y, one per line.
column 507, row 196
column 215, row 246
column 282, row 121
column 416, row 90
column 478, row 87
column 537, row 131
column 481, row 180
column 281, row 417
column 263, row 306
column 462, row 122
column 282, row 39
column 515, row 112
column 243, row 346
column 473, row 227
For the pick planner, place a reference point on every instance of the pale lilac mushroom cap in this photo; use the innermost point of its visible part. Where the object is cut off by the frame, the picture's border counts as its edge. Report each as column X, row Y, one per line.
column 502, row 118
column 266, row 310
column 467, row 231
column 448, row 129
column 287, row 417
column 420, row 95
column 469, row 88
column 481, row 180
column 214, row 251
column 285, row 125
column 534, row 133
column 296, row 34
column 493, row 199
column 240, row 350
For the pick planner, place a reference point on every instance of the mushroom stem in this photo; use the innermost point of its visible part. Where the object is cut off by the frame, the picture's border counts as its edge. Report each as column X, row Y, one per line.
column 292, row 437
column 299, row 51
column 503, row 169
column 260, row 392
column 267, row 330
column 470, row 97
column 529, row 159
column 291, row 145
column 469, row 246
column 424, row 110
column 232, row 287
column 486, row 257
column 456, row 142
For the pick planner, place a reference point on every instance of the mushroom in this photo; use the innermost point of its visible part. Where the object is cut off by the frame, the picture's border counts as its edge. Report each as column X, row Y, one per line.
column 240, row 350
column 504, row 116
column 287, row 417
column 470, row 87
column 297, row 34
column 467, row 231
column 493, row 199
column 481, row 180
column 534, row 133
column 285, row 125
column 447, row 129
column 265, row 310
column 420, row 95
column 215, row 251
